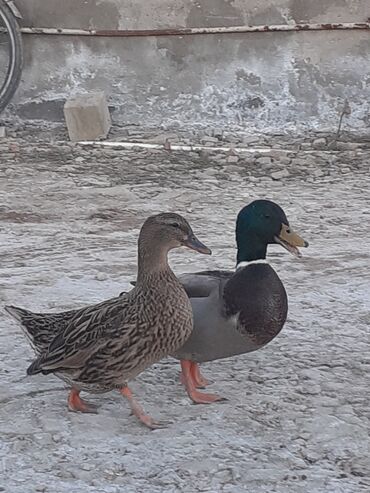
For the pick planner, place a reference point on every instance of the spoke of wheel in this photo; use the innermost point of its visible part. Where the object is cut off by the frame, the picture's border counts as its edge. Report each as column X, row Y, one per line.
column 10, row 55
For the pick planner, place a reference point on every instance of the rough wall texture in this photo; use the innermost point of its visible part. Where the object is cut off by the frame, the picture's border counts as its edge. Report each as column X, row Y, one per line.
column 261, row 81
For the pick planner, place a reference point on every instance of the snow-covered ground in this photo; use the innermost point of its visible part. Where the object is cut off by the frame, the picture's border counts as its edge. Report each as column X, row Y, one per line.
column 297, row 417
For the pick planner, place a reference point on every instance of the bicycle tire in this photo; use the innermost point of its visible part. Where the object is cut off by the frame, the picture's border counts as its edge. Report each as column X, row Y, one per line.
column 14, row 69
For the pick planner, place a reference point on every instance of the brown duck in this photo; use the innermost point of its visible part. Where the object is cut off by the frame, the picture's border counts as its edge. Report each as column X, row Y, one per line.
column 101, row 347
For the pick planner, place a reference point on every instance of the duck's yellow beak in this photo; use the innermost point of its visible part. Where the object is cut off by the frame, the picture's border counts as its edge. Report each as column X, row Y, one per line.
column 290, row 240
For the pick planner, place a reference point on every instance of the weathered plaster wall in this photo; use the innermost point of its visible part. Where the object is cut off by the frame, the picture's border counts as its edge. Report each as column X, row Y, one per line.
column 264, row 81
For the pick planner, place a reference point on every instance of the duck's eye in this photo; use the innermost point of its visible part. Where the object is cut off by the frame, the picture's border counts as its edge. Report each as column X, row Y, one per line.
column 287, row 230
column 267, row 216
column 175, row 225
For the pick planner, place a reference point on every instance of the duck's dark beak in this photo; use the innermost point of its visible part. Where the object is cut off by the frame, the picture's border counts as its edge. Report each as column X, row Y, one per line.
column 193, row 243
column 290, row 240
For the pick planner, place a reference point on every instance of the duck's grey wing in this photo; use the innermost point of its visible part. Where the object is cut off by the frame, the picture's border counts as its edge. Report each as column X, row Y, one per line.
column 88, row 331
column 212, row 336
column 202, row 284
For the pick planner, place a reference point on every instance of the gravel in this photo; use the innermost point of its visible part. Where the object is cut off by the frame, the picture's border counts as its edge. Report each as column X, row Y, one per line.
column 297, row 416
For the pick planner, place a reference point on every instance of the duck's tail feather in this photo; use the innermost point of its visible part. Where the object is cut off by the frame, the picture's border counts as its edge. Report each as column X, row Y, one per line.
column 34, row 368
column 18, row 313
column 40, row 366
column 33, row 326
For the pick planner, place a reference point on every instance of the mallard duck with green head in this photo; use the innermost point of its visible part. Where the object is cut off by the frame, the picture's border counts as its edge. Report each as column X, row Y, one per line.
column 236, row 312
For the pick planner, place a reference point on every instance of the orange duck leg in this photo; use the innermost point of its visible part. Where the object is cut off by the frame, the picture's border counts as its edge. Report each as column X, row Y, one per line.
column 76, row 404
column 192, row 379
column 139, row 412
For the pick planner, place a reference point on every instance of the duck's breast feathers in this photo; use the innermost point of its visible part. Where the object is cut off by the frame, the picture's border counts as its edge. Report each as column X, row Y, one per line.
column 257, row 297
column 202, row 284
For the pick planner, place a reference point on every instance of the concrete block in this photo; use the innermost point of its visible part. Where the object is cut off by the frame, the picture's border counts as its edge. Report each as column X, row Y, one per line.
column 87, row 117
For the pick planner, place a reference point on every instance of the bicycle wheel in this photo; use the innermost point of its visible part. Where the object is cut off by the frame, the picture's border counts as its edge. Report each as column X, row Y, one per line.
column 11, row 55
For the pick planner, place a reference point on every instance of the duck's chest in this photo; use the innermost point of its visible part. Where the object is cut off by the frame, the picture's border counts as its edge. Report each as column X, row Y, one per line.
column 172, row 321
column 255, row 303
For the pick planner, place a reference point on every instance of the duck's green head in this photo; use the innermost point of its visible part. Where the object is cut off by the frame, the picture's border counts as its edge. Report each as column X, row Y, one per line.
column 262, row 223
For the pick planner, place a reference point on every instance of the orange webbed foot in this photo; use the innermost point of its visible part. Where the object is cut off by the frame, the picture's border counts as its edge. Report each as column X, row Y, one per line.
column 191, row 380
column 139, row 412
column 78, row 405
column 198, row 380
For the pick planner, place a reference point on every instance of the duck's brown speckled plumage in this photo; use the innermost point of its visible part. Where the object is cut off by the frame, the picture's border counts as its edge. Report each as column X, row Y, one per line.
column 106, row 345
column 102, row 346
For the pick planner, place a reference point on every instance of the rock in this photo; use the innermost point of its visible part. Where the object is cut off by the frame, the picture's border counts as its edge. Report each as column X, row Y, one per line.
column 13, row 147
column 232, row 159
column 101, row 276
column 306, row 146
column 2, row 132
column 317, row 173
column 250, row 139
column 209, row 140
column 278, row 175
column 232, row 139
column 210, row 172
column 205, row 154
column 319, row 143
column 155, row 151
column 284, row 161
column 296, row 161
column 81, row 475
column 126, row 194
column 218, row 132
column 264, row 160
column 332, row 145
column 278, row 154
column 87, row 117
column 312, row 455
column 310, row 389
column 160, row 138
column 344, row 146
column 57, row 438
column 256, row 378
column 219, row 157
column 231, row 168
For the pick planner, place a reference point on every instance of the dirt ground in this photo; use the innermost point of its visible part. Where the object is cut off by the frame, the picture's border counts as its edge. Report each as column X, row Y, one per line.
column 297, row 417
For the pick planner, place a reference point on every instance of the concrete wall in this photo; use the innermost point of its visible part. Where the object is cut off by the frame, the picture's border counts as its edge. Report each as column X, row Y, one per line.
column 263, row 81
